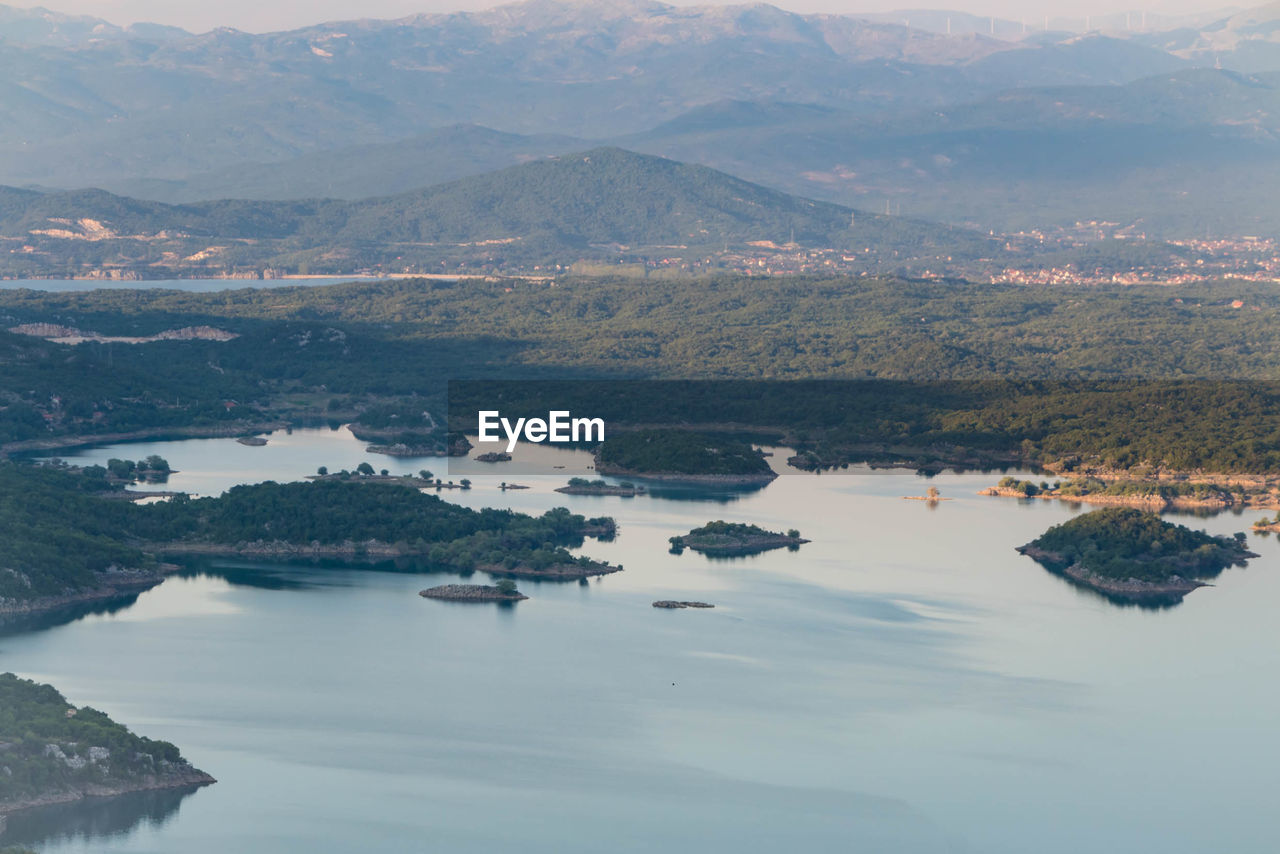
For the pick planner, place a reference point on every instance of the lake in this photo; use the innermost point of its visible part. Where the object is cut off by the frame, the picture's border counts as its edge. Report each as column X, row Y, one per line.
column 905, row 682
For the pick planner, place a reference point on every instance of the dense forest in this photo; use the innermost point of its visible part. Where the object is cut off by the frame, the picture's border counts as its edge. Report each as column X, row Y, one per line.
column 678, row 452
column 1125, row 376
column 49, row 747
column 62, row 539
column 59, row 538
column 1122, row 543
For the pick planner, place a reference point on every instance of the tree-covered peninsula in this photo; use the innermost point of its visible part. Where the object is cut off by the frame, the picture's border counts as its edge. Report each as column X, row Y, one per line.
column 53, row 752
column 683, row 455
column 734, row 539
column 65, row 544
column 1134, row 556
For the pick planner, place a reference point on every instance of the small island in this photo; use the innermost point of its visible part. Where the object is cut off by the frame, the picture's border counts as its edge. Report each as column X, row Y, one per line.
column 673, row 604
column 734, row 539
column 539, row 567
column 252, row 441
column 1133, row 556
column 931, row 496
column 365, row 473
column 504, row 591
column 582, row 486
column 56, row 753
column 684, row 456
column 493, row 457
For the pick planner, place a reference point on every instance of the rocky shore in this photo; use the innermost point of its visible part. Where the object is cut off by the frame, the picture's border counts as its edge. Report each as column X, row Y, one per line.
column 212, row 431
column 757, row 479
column 282, row 549
column 555, row 572
column 399, row 479
column 180, row 775
column 602, row 489
column 1167, row 592
column 1152, row 501
column 471, row 593
column 110, row 585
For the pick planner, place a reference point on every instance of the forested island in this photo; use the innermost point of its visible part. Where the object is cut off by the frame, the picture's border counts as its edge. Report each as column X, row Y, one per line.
column 1130, row 555
column 504, row 591
column 52, row 752
column 65, row 544
column 733, row 539
column 683, row 456
column 582, row 486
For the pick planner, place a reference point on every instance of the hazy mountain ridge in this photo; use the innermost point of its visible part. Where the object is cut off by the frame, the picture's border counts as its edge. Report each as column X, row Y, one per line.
column 605, row 204
column 358, row 172
column 151, row 103
column 1183, row 153
column 1193, row 151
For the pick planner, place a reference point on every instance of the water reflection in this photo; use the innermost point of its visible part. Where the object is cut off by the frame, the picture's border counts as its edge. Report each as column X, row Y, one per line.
column 21, row 624
column 94, row 818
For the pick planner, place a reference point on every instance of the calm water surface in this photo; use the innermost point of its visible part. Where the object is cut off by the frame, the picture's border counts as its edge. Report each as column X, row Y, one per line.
column 905, row 682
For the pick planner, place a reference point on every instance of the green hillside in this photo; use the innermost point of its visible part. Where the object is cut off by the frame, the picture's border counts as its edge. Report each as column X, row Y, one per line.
column 602, row 204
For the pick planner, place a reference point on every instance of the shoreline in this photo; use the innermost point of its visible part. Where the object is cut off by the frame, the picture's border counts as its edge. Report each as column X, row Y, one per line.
column 760, row 479
column 371, row 551
column 187, row 777
column 556, row 572
column 1147, row 501
column 470, row 593
column 110, row 588
column 622, row 491
column 212, row 431
column 740, row 548
column 1130, row 590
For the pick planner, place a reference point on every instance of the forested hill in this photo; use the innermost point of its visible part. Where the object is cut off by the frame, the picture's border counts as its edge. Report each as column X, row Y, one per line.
column 603, row 204
column 609, row 195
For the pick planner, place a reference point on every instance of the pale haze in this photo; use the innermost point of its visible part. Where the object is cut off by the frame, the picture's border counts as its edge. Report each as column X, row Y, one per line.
column 257, row 16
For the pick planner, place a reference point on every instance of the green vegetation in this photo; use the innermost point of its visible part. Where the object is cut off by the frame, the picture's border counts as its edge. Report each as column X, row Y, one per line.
column 49, row 748
column 1071, row 426
column 62, row 541
column 1144, row 392
column 1120, row 543
column 59, row 539
column 1140, row 490
column 582, row 486
column 723, row 539
column 680, row 452
column 334, row 513
column 607, row 204
column 154, row 469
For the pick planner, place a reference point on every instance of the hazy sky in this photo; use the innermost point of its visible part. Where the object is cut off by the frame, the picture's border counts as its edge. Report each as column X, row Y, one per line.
column 265, row 15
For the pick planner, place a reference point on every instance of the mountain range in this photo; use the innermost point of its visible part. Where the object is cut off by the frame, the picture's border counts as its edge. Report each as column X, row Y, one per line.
column 1171, row 129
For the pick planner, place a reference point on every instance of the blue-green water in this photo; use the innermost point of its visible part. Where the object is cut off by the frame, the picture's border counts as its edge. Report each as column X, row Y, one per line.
column 906, row 682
